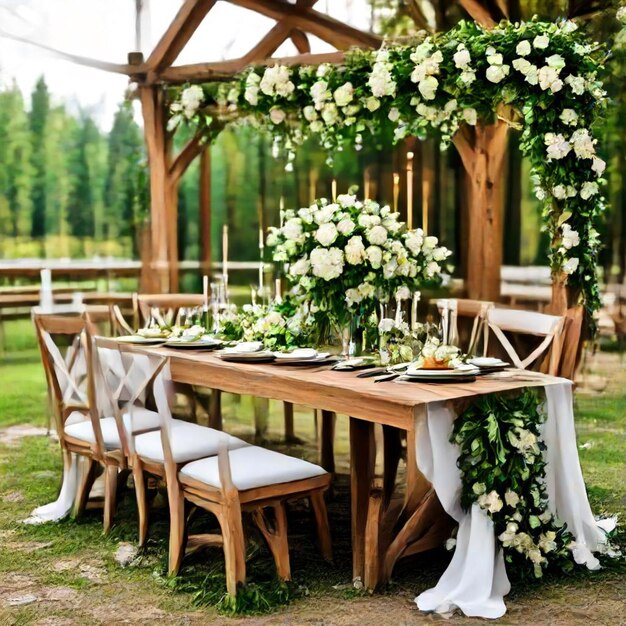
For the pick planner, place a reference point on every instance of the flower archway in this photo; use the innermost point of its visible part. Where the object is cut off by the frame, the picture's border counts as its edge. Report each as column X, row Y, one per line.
column 467, row 86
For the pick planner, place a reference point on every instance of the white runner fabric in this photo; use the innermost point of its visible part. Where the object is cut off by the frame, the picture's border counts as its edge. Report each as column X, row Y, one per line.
column 476, row 581
column 62, row 506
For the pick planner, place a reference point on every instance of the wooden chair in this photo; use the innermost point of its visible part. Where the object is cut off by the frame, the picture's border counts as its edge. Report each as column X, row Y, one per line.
column 81, row 430
column 517, row 322
column 234, row 478
column 168, row 305
column 474, row 310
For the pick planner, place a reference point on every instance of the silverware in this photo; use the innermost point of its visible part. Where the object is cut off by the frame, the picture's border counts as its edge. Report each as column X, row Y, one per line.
column 384, row 379
column 375, row 372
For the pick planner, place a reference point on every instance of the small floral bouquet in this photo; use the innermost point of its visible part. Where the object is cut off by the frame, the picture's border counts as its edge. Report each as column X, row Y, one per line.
column 344, row 256
column 436, row 356
column 398, row 343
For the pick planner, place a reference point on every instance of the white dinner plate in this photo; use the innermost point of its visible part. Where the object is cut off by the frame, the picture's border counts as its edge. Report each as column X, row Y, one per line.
column 487, row 361
column 447, row 373
column 196, row 344
column 146, row 341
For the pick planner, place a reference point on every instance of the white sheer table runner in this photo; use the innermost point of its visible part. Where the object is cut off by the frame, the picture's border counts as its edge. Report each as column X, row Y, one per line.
column 476, row 581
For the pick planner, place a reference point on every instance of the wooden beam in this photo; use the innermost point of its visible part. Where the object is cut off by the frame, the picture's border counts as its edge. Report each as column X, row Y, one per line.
column 225, row 70
column 185, row 157
column 300, row 41
column 183, row 26
column 337, row 33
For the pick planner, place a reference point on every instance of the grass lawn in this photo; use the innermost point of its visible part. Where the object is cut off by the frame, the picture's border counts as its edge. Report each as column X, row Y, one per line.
column 66, row 573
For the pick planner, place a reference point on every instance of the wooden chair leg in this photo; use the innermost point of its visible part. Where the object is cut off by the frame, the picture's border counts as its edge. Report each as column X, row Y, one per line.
column 215, row 409
column 261, row 417
column 234, row 546
column 142, row 500
column 178, row 524
column 87, row 478
column 321, row 522
column 110, row 495
column 276, row 538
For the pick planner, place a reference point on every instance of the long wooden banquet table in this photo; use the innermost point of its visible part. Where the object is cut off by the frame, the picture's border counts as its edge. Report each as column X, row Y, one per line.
column 386, row 524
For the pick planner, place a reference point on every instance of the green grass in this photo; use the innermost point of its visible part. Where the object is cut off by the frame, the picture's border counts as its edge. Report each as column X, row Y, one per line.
column 33, row 469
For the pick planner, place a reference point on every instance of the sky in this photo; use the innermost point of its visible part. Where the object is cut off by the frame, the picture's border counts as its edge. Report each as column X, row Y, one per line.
column 105, row 30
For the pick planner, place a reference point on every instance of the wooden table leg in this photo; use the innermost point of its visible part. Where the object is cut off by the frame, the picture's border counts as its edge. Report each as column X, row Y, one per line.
column 215, row 409
column 362, row 460
column 327, row 441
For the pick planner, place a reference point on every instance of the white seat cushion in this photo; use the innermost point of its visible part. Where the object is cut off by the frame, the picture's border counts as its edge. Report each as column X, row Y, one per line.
column 188, row 442
column 143, row 419
column 253, row 467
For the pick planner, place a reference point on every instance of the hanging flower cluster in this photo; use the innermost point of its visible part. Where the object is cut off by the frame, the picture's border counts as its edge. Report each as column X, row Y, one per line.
column 503, row 471
column 545, row 74
column 349, row 254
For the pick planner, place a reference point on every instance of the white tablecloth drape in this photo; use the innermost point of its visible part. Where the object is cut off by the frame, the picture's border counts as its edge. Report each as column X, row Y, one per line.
column 476, row 581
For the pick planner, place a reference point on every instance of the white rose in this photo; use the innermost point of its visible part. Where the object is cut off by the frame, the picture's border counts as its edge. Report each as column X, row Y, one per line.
column 497, row 73
column 468, row 76
column 432, row 269
column 556, row 61
column 277, row 115
column 319, row 92
column 367, row 290
column 300, row 267
column 414, row 241
column 346, row 200
column 355, row 251
column 470, row 116
column 462, row 58
column 541, row 42
column 353, row 296
column 326, row 234
column 374, row 256
column 523, row 48
column 394, row 114
column 548, row 76
column 372, row 104
column 583, row 143
column 292, row 229
column 377, row 235
column 309, row 113
column 569, row 117
column 428, row 87
column 588, row 190
column 598, row 165
column 571, row 238
column 512, row 499
column 491, row 502
column 190, row 99
column 557, row 146
column 495, row 59
column 343, row 95
column 324, row 214
column 559, row 192
column 571, row 265
column 345, row 227
column 330, row 114
column 576, row 83
column 523, row 66
column 403, row 293
column 327, row 263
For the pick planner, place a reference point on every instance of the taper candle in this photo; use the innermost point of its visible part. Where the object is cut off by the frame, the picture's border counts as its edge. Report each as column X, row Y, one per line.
column 366, row 184
column 409, row 190
column 334, row 189
column 225, row 252
column 396, row 190
column 416, row 299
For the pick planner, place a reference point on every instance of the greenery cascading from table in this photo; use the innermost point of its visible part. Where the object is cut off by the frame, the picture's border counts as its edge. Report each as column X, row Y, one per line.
column 503, row 471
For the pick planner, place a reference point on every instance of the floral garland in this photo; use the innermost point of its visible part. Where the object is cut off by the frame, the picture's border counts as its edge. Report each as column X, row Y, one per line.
column 503, row 471
column 542, row 73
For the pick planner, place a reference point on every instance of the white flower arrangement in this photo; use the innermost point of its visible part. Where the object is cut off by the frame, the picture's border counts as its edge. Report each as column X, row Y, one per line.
column 334, row 252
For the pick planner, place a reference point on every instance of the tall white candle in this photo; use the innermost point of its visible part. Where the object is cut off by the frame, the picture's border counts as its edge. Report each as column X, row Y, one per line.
column 334, row 189
column 225, row 251
column 396, row 190
column 409, row 190
column 416, row 299
column 278, row 287
column 398, row 312
column 205, row 290
column 281, row 210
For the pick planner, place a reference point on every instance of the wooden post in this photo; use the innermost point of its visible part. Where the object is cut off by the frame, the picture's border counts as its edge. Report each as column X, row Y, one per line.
column 482, row 150
column 204, row 206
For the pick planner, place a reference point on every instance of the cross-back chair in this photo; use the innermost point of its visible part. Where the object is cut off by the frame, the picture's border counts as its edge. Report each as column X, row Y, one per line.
column 231, row 477
column 528, row 323
column 474, row 310
column 165, row 306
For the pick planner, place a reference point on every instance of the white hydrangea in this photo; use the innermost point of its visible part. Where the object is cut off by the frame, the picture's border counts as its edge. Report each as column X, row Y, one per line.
column 330, row 114
column 374, row 256
column 523, row 48
column 292, row 229
column 377, row 235
column 353, row 296
column 588, row 190
column 583, row 143
column 381, row 80
column 191, row 99
column 343, row 95
column 326, row 234
column 251, row 92
column 355, row 251
column 320, row 93
column 541, row 42
column 300, row 267
column 324, row 214
column 428, row 87
column 414, row 241
column 275, row 81
column 576, row 83
column 598, row 165
column 346, row 226
column 569, row 117
column 372, row 104
column 557, row 146
column 432, row 269
column 490, row 502
column 571, row 265
column 327, row 264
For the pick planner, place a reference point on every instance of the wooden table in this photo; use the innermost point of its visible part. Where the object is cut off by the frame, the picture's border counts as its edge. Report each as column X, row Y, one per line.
column 385, row 526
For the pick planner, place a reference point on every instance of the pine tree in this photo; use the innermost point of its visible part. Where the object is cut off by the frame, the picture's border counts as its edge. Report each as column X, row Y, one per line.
column 40, row 107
